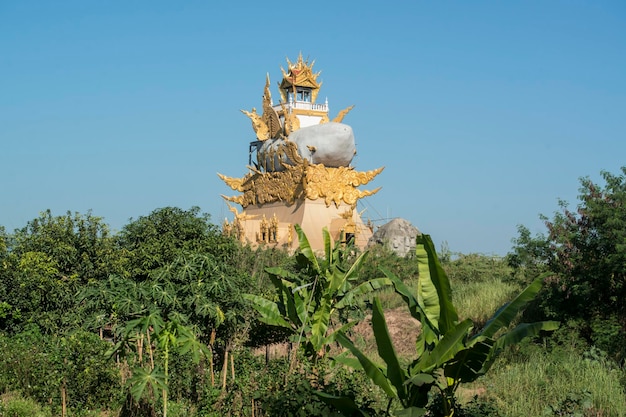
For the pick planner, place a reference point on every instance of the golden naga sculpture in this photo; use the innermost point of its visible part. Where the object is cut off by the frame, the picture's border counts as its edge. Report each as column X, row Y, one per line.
column 259, row 126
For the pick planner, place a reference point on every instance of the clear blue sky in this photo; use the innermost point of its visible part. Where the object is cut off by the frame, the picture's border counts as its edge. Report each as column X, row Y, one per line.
column 484, row 114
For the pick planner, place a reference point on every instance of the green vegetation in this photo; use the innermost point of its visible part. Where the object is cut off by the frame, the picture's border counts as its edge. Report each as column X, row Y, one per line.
column 449, row 351
column 168, row 317
column 311, row 304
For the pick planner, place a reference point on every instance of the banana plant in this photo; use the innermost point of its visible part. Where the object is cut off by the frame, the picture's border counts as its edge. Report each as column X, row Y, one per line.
column 308, row 305
column 449, row 351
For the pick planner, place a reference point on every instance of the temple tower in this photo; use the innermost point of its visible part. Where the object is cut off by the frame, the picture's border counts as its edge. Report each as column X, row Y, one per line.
column 299, row 170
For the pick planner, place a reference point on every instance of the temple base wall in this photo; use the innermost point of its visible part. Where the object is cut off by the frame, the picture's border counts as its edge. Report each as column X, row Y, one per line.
column 311, row 215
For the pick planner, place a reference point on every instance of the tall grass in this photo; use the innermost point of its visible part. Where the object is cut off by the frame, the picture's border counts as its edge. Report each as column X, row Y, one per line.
column 478, row 300
column 526, row 387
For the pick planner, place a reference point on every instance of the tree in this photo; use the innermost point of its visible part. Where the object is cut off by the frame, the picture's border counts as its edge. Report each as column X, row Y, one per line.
column 157, row 240
column 585, row 251
column 49, row 260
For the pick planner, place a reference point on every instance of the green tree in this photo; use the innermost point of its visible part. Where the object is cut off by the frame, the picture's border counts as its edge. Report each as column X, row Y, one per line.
column 158, row 239
column 585, row 250
column 48, row 261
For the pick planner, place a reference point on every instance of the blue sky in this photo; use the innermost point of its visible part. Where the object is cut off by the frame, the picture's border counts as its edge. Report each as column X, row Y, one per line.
column 484, row 114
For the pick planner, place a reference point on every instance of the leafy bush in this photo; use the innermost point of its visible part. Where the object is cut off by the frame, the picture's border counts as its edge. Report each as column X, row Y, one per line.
column 14, row 405
column 38, row 366
column 584, row 250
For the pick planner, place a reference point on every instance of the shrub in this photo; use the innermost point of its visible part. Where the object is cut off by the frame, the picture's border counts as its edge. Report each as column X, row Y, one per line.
column 14, row 405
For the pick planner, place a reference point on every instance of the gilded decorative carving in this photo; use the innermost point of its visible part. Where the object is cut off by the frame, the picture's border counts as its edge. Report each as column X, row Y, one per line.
column 336, row 185
column 259, row 126
column 312, row 181
column 270, row 117
column 239, row 222
column 292, row 123
column 300, row 74
column 342, row 114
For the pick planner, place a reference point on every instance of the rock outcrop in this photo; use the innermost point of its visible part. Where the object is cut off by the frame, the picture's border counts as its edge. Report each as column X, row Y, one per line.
column 398, row 236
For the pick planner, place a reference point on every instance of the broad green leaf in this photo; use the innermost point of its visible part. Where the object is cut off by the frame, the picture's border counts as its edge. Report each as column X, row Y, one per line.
column 144, row 383
column 305, row 248
column 349, row 361
column 319, row 325
column 374, row 372
column 280, row 272
column 386, row 350
column 525, row 330
column 467, row 364
column 505, row 315
column 421, row 379
column 328, row 247
column 427, row 296
column 362, row 289
column 345, row 405
column 335, row 279
column 448, row 346
column 268, row 310
column 433, row 286
column 514, row 336
column 356, row 266
column 300, row 307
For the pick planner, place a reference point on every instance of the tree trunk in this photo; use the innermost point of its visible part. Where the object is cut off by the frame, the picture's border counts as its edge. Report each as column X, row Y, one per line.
column 225, row 370
column 63, row 400
column 232, row 366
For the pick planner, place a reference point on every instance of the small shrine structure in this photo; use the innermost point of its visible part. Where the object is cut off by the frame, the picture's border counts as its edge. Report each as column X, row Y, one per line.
column 299, row 170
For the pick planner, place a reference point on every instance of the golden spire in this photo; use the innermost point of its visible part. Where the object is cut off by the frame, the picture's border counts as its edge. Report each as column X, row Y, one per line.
column 299, row 74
